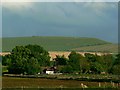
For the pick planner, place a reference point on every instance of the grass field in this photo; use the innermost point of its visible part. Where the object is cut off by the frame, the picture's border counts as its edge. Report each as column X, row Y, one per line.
column 99, row 48
column 51, row 43
column 12, row 82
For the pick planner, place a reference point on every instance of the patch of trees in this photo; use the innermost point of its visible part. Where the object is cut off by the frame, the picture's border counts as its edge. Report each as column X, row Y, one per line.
column 26, row 59
column 89, row 63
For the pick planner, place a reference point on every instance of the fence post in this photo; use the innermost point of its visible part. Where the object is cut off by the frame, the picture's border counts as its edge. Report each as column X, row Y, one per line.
column 99, row 84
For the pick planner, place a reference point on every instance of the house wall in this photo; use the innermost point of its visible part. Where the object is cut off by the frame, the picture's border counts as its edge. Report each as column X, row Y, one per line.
column 49, row 72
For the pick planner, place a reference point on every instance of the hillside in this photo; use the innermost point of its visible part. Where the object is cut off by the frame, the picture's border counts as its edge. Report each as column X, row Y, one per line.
column 52, row 43
column 99, row 48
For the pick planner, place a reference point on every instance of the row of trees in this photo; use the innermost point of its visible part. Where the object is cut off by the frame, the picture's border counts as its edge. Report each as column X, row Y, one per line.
column 30, row 58
column 89, row 63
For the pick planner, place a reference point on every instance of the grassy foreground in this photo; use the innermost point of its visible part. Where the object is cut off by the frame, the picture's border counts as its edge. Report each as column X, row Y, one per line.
column 16, row 82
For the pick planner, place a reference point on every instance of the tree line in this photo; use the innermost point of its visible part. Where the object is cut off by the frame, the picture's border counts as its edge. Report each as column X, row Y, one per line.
column 89, row 63
column 30, row 59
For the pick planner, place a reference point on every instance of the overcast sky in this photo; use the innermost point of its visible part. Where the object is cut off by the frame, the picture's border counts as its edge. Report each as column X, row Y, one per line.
column 76, row 19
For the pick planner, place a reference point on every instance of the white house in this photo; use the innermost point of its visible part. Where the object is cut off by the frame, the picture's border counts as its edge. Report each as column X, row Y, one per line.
column 49, row 72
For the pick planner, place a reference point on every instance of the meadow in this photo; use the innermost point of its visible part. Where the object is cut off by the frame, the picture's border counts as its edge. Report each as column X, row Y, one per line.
column 12, row 82
column 99, row 48
column 52, row 43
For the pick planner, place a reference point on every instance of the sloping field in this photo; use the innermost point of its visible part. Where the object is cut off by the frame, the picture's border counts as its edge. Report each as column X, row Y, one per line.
column 99, row 48
column 51, row 43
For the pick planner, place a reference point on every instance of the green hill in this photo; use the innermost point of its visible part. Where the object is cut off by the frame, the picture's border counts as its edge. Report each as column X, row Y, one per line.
column 52, row 43
column 99, row 48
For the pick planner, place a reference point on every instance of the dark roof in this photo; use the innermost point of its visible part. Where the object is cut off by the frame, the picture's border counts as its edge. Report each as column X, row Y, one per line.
column 50, row 69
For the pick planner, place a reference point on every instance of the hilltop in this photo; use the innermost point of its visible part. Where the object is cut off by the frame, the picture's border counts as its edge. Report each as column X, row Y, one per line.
column 56, row 43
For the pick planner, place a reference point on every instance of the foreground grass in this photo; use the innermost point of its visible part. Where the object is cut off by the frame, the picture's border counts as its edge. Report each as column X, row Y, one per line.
column 13, row 82
column 37, row 82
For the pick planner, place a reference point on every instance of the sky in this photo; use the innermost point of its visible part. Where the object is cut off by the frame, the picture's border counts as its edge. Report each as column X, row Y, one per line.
column 71, row 19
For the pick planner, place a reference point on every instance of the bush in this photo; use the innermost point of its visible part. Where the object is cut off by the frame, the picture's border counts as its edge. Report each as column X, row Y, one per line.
column 67, row 69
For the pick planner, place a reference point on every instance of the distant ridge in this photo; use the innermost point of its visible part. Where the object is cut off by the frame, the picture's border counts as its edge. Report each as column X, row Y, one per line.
column 52, row 43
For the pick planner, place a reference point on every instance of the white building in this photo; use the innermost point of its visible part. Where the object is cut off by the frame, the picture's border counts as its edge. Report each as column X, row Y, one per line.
column 49, row 72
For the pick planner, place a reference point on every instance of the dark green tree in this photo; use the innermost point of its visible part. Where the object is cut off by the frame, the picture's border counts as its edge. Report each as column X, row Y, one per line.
column 67, row 69
column 90, row 57
column 98, row 63
column 116, row 65
column 60, row 60
column 39, row 53
column 32, row 66
column 6, row 60
column 84, row 65
column 116, row 69
column 26, row 59
column 17, row 59
column 106, row 62
column 74, row 61
column 117, row 60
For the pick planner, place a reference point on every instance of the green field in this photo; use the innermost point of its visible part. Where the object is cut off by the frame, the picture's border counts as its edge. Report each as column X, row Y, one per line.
column 99, row 48
column 52, row 43
column 12, row 82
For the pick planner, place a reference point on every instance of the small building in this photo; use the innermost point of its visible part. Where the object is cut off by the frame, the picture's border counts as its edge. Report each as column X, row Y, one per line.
column 50, row 70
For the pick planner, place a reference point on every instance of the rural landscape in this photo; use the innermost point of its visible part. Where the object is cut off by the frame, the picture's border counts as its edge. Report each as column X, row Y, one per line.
column 59, row 45
column 37, row 67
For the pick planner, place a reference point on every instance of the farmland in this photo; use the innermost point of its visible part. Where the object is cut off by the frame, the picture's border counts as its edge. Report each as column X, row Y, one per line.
column 35, row 82
column 51, row 83
column 54, row 43
column 99, row 48
column 58, row 46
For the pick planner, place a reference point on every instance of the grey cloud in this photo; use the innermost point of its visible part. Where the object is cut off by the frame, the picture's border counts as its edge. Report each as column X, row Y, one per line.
column 62, row 19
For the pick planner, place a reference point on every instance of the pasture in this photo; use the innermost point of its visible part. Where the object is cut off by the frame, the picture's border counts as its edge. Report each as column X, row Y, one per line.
column 51, row 43
column 12, row 82
column 99, row 48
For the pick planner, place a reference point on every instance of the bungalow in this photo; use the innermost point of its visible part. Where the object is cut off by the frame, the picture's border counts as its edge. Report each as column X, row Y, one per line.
column 50, row 70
